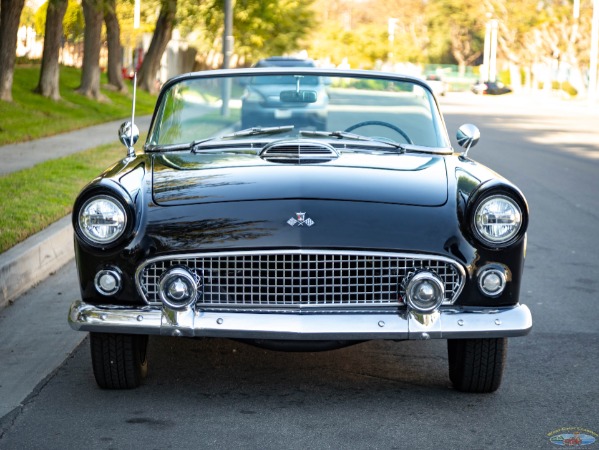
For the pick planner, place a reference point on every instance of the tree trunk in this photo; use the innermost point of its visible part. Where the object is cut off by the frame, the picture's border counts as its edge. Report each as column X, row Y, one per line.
column 10, row 15
column 162, row 34
column 113, row 37
column 49, row 75
column 90, row 71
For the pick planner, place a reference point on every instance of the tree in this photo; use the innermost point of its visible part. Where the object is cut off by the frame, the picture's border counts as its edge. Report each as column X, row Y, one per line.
column 73, row 22
column 10, row 15
column 461, row 25
column 90, row 71
column 261, row 27
column 113, row 39
column 270, row 27
column 162, row 35
column 48, row 84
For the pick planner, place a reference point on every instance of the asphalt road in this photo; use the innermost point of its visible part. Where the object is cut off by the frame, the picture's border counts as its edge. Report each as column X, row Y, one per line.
column 224, row 394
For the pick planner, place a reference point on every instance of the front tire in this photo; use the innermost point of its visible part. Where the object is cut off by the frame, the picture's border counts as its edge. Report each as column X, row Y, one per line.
column 119, row 360
column 476, row 365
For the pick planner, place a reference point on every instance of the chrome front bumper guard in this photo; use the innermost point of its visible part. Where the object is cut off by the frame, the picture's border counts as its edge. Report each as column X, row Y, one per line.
column 447, row 323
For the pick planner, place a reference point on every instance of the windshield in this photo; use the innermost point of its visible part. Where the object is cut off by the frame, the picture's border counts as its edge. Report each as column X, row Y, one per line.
column 382, row 107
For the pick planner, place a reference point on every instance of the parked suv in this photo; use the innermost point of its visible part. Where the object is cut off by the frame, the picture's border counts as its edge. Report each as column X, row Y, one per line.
column 268, row 101
column 285, row 61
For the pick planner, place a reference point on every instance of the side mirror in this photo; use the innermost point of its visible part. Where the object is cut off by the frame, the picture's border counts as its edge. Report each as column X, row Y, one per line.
column 468, row 136
column 128, row 135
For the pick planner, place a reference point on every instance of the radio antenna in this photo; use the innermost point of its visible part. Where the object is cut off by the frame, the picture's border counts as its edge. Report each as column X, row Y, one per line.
column 131, row 149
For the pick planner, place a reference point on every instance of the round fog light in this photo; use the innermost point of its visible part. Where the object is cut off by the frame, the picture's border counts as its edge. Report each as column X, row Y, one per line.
column 492, row 281
column 425, row 292
column 178, row 288
column 107, row 282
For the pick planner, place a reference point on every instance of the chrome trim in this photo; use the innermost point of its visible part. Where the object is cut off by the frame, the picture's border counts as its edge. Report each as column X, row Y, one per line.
column 177, row 258
column 93, row 240
column 496, row 242
column 117, row 282
column 432, row 278
column 299, row 151
column 447, row 323
column 498, row 270
column 192, row 284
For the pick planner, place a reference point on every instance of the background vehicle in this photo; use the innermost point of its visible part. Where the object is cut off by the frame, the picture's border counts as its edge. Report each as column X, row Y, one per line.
column 490, row 88
column 262, row 104
column 285, row 61
column 437, row 84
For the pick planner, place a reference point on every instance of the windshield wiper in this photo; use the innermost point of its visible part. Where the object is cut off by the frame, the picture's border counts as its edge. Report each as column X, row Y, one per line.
column 195, row 145
column 259, row 130
column 351, row 136
column 175, row 147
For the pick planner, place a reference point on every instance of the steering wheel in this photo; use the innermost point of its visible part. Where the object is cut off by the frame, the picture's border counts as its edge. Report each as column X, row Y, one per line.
column 383, row 124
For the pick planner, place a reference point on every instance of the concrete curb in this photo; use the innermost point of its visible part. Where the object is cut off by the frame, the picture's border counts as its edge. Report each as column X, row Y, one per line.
column 31, row 261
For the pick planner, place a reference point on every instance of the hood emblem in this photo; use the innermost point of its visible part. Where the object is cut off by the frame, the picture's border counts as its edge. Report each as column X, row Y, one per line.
column 300, row 220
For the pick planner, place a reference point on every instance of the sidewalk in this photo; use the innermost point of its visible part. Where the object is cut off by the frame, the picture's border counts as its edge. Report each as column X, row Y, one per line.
column 22, row 155
column 40, row 272
column 31, row 261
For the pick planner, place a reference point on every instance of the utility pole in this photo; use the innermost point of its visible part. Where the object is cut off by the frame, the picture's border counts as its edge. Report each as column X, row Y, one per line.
column 493, row 55
column 391, row 24
column 136, row 14
column 227, row 52
column 228, row 34
column 489, row 72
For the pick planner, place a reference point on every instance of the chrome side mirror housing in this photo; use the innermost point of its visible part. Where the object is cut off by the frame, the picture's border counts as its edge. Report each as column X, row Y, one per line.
column 468, row 136
column 128, row 135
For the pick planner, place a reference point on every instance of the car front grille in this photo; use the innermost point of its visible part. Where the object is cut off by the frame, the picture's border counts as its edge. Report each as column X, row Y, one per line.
column 299, row 279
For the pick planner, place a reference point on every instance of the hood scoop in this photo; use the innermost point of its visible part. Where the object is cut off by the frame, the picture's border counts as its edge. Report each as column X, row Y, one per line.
column 298, row 152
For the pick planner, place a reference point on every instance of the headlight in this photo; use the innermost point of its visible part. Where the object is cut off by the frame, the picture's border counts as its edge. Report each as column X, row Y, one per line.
column 424, row 291
column 102, row 219
column 178, row 288
column 497, row 219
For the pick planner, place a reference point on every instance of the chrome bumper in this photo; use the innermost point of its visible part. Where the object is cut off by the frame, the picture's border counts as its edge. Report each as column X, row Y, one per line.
column 447, row 323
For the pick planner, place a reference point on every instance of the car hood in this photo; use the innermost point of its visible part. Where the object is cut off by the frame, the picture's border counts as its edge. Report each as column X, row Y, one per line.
column 187, row 179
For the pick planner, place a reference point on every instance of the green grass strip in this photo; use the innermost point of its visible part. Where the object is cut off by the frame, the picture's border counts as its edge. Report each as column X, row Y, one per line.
column 31, row 116
column 34, row 198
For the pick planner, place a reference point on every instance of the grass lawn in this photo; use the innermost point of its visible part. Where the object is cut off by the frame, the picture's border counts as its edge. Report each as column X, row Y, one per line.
column 31, row 116
column 34, row 198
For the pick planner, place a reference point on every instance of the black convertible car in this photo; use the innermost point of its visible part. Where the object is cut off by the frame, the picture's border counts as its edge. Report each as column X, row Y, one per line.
column 292, row 237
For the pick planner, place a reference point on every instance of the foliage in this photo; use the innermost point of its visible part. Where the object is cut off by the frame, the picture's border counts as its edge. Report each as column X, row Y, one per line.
column 31, row 116
column 357, row 31
column 433, row 31
column 28, row 17
column 261, row 27
column 566, row 87
column 73, row 22
column 385, row 30
column 130, row 36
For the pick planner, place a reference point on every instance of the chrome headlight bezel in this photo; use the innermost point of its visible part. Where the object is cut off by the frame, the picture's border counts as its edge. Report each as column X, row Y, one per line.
column 429, row 280
column 498, row 220
column 112, row 210
column 186, row 295
column 119, row 212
